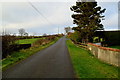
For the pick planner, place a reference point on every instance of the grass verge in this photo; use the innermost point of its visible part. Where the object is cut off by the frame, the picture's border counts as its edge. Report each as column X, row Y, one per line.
column 87, row 66
column 22, row 54
column 115, row 47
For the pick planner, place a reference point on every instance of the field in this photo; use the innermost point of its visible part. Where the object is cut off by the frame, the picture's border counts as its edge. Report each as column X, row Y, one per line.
column 115, row 47
column 27, row 41
column 87, row 66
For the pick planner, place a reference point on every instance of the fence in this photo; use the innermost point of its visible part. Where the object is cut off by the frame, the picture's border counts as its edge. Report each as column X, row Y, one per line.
column 108, row 55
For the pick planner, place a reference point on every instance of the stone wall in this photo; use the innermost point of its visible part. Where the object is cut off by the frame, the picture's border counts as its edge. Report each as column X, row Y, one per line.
column 108, row 55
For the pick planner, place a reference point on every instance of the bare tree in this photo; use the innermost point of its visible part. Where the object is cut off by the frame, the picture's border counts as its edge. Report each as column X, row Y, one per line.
column 21, row 31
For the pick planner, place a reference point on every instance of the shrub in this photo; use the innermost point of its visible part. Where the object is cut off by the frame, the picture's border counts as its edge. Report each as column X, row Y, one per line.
column 44, row 41
column 7, row 41
column 75, row 37
column 50, row 37
column 40, row 42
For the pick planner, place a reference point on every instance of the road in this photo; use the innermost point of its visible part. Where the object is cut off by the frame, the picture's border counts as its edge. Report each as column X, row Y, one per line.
column 52, row 62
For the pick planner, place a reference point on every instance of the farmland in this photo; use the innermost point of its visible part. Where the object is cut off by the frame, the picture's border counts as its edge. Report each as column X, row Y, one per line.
column 115, row 47
column 27, row 41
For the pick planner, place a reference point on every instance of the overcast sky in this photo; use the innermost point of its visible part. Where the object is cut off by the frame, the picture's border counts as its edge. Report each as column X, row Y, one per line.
column 51, row 16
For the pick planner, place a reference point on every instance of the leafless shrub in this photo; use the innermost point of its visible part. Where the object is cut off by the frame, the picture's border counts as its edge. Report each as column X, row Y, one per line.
column 7, row 41
column 40, row 42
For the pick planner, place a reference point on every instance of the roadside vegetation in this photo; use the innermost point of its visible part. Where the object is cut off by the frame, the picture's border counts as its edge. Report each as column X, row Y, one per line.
column 87, row 66
column 115, row 47
column 37, row 45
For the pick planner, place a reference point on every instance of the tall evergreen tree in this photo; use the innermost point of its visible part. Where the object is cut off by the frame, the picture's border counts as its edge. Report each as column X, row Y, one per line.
column 88, row 18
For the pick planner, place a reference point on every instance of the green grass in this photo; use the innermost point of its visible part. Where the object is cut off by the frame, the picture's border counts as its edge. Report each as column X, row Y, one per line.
column 22, row 54
column 27, row 41
column 115, row 47
column 87, row 66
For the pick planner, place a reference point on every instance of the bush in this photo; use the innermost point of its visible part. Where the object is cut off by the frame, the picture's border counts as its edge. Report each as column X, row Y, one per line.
column 40, row 42
column 50, row 37
column 44, row 41
column 75, row 37
column 7, row 41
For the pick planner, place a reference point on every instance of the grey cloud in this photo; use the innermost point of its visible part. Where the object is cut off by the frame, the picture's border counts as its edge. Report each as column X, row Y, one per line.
column 22, row 15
